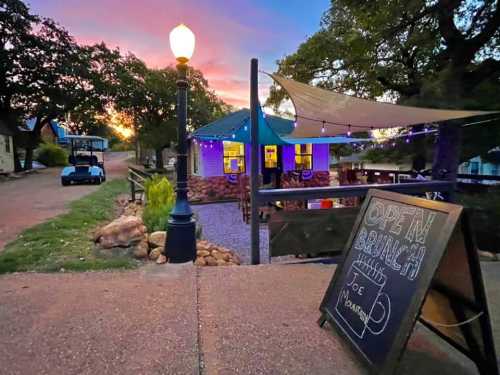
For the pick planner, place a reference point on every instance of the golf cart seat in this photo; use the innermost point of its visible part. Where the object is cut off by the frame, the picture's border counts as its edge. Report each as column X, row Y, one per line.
column 83, row 159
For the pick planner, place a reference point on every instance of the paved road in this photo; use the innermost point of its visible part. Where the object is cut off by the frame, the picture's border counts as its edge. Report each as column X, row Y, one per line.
column 176, row 319
column 35, row 198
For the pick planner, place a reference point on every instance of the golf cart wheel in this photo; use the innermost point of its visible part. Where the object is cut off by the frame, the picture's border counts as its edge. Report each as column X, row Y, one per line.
column 98, row 181
column 64, row 182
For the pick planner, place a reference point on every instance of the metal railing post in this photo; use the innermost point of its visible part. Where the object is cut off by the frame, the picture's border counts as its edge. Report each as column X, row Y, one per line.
column 254, row 171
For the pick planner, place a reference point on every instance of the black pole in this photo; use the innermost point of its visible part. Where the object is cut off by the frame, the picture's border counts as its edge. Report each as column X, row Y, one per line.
column 447, row 153
column 254, row 171
column 180, row 244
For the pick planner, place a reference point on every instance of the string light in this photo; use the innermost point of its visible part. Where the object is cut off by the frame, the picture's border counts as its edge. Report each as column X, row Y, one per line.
column 407, row 140
column 246, row 128
column 349, row 131
column 323, row 128
column 233, row 136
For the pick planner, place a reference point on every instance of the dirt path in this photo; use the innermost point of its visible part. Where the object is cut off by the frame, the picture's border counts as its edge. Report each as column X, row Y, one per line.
column 40, row 196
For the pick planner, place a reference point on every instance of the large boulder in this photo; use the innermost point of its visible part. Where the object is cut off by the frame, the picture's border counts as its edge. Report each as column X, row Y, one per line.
column 155, row 253
column 161, row 259
column 157, row 239
column 122, row 232
column 141, row 249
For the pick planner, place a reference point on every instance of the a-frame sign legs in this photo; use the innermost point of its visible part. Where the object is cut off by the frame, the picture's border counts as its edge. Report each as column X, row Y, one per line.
column 409, row 259
column 456, row 307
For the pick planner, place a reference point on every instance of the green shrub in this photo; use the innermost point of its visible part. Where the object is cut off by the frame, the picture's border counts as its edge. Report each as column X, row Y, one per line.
column 160, row 199
column 52, row 155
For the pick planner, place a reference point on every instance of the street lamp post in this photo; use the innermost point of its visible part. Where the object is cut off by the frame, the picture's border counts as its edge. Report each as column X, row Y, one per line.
column 181, row 240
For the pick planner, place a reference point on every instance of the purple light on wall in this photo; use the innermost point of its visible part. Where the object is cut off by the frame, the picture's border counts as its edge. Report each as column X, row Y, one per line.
column 288, row 155
column 212, row 160
column 321, row 157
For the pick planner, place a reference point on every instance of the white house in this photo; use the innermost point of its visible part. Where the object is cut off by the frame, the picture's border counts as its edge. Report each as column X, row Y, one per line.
column 6, row 149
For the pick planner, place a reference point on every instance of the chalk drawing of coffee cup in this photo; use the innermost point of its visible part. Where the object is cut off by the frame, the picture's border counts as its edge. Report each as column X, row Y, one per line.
column 362, row 304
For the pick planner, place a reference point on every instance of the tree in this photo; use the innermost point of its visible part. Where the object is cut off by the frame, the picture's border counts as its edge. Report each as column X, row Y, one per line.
column 45, row 74
column 149, row 96
column 441, row 54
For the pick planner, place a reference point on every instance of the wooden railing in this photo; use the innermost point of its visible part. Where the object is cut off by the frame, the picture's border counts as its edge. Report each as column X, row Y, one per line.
column 270, row 195
column 136, row 177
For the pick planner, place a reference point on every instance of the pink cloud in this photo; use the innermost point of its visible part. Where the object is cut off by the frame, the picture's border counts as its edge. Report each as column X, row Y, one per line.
column 228, row 33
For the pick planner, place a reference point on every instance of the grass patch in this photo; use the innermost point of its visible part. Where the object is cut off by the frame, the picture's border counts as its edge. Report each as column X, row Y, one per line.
column 62, row 241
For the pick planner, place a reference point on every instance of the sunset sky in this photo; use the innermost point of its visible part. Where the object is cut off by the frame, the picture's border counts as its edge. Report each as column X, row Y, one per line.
column 228, row 33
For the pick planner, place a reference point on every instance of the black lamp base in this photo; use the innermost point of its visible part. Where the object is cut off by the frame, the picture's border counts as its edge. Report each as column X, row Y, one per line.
column 181, row 241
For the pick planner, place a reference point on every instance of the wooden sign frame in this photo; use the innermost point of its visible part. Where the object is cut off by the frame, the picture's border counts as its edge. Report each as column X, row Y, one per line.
column 435, row 253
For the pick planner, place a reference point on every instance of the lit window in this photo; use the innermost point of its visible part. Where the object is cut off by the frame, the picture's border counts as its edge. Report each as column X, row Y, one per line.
column 234, row 157
column 303, row 157
column 271, row 156
column 7, row 143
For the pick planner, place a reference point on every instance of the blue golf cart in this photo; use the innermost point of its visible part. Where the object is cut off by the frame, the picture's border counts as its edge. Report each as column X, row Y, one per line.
column 86, row 165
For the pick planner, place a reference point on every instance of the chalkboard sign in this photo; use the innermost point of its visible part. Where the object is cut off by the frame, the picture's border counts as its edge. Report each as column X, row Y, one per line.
column 391, row 257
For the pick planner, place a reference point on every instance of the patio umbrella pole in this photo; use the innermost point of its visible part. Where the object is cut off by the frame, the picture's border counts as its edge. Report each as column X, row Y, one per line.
column 254, row 171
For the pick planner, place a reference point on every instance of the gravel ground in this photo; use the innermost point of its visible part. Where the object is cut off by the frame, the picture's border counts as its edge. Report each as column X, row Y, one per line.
column 223, row 225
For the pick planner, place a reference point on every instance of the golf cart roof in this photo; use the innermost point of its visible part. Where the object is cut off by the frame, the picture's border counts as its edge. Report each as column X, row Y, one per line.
column 86, row 137
column 87, row 142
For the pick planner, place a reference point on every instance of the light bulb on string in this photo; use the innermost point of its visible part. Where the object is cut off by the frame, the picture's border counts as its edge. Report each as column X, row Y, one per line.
column 246, row 128
column 349, row 131
column 233, row 136
column 323, row 128
column 407, row 140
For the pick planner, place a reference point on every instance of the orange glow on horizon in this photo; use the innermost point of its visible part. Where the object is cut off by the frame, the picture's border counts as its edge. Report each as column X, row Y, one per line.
column 120, row 123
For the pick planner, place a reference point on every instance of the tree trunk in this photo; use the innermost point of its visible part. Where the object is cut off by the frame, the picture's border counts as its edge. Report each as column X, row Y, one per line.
column 17, row 163
column 159, row 158
column 28, row 159
column 137, row 151
column 447, row 153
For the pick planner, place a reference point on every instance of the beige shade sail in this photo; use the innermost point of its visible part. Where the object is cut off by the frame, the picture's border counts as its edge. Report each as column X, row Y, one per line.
column 326, row 113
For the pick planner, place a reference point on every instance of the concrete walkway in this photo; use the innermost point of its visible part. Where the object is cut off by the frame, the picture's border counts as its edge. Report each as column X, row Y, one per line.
column 178, row 319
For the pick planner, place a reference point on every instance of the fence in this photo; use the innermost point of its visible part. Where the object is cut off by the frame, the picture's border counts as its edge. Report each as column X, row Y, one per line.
column 136, row 177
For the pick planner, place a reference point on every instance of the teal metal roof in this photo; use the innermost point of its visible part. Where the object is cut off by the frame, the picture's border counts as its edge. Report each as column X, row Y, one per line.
column 273, row 130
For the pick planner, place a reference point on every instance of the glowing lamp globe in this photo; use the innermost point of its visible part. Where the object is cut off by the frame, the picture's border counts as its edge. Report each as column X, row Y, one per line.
column 182, row 43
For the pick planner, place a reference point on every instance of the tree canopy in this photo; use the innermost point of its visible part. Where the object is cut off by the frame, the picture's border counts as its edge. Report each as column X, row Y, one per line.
column 149, row 96
column 45, row 74
column 441, row 54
